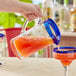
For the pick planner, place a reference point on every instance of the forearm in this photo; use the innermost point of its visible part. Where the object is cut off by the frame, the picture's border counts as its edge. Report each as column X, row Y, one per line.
column 9, row 6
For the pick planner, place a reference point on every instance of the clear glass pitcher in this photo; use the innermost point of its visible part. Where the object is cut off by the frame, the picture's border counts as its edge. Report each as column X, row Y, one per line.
column 36, row 38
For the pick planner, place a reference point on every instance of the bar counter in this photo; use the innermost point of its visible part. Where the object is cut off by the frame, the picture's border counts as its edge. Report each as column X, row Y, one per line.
column 34, row 67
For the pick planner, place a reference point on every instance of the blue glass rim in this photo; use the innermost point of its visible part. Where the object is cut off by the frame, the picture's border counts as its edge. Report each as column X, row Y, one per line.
column 65, row 51
column 57, row 36
column 1, row 35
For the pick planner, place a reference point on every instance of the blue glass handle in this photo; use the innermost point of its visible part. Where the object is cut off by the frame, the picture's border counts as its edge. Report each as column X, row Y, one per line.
column 57, row 36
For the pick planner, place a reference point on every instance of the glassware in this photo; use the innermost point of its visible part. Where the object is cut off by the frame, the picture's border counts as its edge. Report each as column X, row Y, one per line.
column 1, row 37
column 65, row 16
column 66, row 55
column 47, row 9
column 56, row 12
column 73, row 17
column 36, row 38
column 1, row 41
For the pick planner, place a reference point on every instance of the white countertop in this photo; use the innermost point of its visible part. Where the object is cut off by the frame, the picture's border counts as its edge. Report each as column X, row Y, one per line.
column 72, row 34
column 34, row 67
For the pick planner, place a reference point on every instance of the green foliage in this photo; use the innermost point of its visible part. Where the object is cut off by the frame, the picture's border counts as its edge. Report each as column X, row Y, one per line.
column 30, row 24
column 8, row 20
column 27, row 1
column 40, row 5
column 40, row 52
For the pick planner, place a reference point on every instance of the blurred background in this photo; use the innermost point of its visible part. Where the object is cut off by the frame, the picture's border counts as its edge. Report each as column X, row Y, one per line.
column 9, row 20
column 63, row 12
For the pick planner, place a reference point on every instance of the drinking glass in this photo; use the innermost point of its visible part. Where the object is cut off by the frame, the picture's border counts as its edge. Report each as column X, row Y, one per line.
column 1, row 41
column 66, row 55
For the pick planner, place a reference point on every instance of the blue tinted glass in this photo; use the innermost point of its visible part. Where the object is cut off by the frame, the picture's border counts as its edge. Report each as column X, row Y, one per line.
column 66, row 50
column 57, row 36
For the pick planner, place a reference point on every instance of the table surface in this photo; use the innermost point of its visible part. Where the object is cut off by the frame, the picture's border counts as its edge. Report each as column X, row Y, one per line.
column 34, row 67
column 70, row 34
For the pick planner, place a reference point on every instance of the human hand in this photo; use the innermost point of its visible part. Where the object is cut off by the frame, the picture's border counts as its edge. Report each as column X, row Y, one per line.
column 30, row 11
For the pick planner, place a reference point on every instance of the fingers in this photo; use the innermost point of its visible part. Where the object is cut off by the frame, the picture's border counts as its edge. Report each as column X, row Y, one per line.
column 33, row 12
column 29, row 8
column 34, row 16
column 30, row 17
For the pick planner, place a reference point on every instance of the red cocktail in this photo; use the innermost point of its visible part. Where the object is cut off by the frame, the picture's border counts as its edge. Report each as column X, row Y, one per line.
column 27, row 45
column 66, row 55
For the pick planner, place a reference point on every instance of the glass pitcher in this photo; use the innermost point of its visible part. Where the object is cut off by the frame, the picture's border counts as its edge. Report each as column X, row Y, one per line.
column 36, row 38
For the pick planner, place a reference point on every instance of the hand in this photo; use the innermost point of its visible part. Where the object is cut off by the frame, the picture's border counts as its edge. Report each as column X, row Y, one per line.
column 30, row 11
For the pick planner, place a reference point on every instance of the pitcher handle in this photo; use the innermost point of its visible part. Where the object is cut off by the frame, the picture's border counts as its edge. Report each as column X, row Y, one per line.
column 24, row 26
column 57, row 36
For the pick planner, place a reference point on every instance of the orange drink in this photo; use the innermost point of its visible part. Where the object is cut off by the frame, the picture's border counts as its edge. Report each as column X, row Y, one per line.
column 65, row 58
column 27, row 45
column 66, row 55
